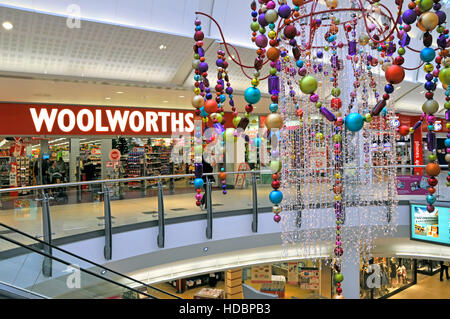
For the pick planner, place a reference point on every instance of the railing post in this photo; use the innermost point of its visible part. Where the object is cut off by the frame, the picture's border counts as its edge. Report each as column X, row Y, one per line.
column 47, row 231
column 255, row 204
column 161, row 226
column 209, row 210
column 108, row 222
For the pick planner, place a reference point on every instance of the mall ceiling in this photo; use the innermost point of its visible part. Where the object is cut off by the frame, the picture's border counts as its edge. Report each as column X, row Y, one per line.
column 142, row 48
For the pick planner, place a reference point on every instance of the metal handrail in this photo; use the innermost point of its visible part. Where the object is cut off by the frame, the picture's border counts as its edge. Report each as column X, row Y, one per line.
column 86, row 260
column 120, row 180
column 147, row 178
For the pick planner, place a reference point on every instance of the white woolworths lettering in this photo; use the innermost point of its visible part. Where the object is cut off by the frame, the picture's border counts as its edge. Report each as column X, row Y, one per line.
column 43, row 116
column 72, row 121
column 117, row 118
column 177, row 124
column 164, row 116
column 132, row 121
column 98, row 122
column 150, row 121
column 189, row 117
column 80, row 120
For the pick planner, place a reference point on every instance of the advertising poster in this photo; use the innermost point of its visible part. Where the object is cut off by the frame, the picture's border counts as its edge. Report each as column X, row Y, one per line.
column 293, row 273
column 262, row 274
column 309, row 279
column 432, row 227
column 412, row 185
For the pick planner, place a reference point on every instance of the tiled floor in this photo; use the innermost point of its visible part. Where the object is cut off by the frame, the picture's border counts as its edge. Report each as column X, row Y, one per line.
column 427, row 287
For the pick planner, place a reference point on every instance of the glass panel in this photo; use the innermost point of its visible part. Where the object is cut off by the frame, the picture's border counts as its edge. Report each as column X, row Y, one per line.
column 26, row 271
column 20, row 210
column 75, row 210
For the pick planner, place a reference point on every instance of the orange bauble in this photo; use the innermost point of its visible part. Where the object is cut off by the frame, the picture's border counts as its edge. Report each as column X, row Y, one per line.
column 394, row 74
column 432, row 169
column 211, row 106
column 297, row 2
column 273, row 54
column 222, row 175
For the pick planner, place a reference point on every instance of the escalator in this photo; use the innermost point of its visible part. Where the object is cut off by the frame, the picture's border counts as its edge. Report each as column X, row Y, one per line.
column 33, row 269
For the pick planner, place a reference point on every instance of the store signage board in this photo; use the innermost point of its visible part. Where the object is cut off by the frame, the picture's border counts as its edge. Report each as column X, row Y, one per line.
column 430, row 227
column 69, row 120
column 412, row 185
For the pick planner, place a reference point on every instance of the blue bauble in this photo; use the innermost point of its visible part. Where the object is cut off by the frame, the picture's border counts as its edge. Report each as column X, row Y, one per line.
column 257, row 142
column 276, row 197
column 427, row 54
column 252, row 95
column 222, row 98
column 384, row 111
column 203, row 113
column 273, row 107
column 389, row 88
column 447, row 142
column 354, row 122
column 198, row 183
column 430, row 86
column 431, row 199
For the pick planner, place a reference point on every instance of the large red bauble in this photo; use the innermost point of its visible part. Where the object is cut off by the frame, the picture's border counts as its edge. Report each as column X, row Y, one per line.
column 403, row 130
column 432, row 181
column 394, row 74
column 211, row 106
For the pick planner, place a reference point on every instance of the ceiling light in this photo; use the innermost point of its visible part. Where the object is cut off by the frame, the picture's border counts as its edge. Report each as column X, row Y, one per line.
column 107, row 98
column 119, row 92
column 181, row 96
column 162, row 47
column 165, row 101
column 7, row 25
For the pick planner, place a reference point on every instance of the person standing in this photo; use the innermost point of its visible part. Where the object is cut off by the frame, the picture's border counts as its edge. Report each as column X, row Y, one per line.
column 444, row 267
column 207, row 168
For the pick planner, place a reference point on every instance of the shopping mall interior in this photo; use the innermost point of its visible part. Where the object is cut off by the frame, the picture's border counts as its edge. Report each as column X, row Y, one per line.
column 204, row 149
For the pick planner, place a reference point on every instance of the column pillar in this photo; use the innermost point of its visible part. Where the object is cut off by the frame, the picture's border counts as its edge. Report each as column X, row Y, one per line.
column 106, row 147
column 74, row 153
column 350, row 270
column 44, row 147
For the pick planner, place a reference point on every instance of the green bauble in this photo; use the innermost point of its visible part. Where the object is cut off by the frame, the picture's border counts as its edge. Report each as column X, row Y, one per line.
column 338, row 277
column 425, row 5
column 430, row 107
column 275, row 166
column 308, row 84
column 254, row 26
column 444, row 76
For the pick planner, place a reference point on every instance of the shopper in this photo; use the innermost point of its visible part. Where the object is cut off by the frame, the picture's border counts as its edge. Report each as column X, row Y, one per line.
column 207, row 168
column 444, row 267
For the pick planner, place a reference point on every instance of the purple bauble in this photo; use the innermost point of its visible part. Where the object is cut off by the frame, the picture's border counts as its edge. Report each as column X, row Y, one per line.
column 277, row 218
column 198, row 196
column 224, row 192
column 442, row 16
column 262, row 20
column 284, row 11
column 219, row 63
column 409, row 16
column 229, row 90
column 203, row 67
column 261, row 41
